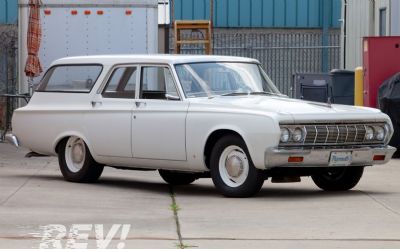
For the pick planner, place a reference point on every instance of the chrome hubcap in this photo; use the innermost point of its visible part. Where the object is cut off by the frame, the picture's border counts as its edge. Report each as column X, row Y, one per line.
column 233, row 166
column 75, row 153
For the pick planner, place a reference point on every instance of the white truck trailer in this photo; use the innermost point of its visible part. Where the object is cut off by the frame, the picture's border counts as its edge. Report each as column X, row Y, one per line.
column 87, row 27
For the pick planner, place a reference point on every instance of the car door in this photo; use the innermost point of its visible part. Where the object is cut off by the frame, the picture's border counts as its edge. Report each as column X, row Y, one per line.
column 109, row 123
column 159, row 116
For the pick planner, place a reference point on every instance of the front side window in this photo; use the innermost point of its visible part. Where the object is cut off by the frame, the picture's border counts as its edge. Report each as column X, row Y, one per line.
column 157, row 83
column 70, row 78
column 122, row 83
column 223, row 78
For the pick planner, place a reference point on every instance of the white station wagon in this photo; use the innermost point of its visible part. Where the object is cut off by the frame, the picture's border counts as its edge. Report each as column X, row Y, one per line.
column 195, row 116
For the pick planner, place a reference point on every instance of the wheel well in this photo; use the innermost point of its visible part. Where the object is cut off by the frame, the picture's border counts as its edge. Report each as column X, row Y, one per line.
column 212, row 139
column 59, row 143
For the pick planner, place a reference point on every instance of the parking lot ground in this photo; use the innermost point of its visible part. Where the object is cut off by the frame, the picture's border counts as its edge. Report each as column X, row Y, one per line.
column 34, row 199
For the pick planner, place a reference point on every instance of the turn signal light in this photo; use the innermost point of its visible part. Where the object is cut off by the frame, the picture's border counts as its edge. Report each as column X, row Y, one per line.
column 295, row 159
column 379, row 157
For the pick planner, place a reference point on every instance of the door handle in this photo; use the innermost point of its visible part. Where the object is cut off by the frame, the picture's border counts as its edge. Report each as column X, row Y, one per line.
column 94, row 103
column 139, row 103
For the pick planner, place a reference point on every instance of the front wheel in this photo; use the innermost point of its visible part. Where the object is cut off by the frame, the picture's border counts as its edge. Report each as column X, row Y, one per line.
column 232, row 170
column 76, row 162
column 338, row 179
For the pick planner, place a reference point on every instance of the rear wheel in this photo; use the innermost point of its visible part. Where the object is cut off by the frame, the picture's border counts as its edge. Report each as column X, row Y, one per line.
column 232, row 170
column 177, row 178
column 76, row 162
column 339, row 178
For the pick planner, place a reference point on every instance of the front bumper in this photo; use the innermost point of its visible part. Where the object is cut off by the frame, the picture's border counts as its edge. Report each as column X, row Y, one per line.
column 277, row 157
column 12, row 139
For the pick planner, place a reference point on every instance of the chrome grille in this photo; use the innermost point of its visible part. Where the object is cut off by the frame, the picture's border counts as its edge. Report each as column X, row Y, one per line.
column 360, row 133
column 322, row 133
column 311, row 134
column 351, row 133
column 342, row 134
column 334, row 134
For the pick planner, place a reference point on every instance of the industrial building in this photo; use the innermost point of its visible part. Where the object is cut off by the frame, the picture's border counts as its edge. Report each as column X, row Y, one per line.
column 366, row 18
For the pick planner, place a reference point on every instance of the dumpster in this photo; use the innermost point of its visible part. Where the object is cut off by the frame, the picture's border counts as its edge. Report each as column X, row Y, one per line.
column 380, row 61
column 342, row 83
column 312, row 86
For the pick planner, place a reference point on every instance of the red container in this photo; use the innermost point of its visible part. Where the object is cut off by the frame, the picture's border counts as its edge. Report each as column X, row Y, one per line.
column 381, row 60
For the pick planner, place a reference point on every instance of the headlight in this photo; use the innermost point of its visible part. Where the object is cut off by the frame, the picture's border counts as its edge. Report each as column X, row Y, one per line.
column 285, row 135
column 297, row 135
column 379, row 133
column 387, row 130
column 369, row 133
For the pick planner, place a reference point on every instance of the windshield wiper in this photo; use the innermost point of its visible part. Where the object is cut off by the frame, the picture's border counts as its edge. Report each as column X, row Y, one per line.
column 234, row 94
column 263, row 93
column 251, row 93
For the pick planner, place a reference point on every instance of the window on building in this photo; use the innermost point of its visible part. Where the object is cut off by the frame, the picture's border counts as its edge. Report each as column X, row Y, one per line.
column 382, row 22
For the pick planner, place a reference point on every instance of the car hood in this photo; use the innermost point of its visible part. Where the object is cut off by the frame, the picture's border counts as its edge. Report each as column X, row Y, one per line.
column 296, row 109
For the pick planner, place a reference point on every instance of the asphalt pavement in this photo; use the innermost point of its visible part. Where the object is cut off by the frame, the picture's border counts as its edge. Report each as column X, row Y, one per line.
column 132, row 209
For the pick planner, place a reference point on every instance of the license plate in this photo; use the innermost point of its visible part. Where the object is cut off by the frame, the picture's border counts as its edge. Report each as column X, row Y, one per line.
column 339, row 158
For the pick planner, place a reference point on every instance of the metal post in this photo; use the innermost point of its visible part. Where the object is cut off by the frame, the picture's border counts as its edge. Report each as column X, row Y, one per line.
column 211, row 24
column 327, row 7
column 6, row 7
column 172, row 12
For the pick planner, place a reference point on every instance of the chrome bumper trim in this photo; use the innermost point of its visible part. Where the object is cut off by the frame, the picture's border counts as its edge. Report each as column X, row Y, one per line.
column 12, row 139
column 320, row 157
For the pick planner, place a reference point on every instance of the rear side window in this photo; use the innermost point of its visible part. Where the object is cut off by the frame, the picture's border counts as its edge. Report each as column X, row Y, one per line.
column 122, row 83
column 70, row 78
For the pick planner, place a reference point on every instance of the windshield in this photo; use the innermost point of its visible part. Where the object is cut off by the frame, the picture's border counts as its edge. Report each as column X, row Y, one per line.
column 224, row 78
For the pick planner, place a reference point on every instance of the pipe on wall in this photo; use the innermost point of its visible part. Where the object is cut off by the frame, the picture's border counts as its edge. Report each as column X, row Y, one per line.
column 6, row 7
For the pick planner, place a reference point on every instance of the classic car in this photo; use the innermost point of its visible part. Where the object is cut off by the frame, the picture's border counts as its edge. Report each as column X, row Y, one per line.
column 195, row 116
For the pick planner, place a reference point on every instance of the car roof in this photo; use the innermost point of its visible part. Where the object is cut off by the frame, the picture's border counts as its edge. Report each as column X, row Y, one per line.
column 149, row 58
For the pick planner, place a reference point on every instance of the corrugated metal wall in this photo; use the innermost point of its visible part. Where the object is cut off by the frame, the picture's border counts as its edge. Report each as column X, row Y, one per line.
column 8, row 11
column 261, row 13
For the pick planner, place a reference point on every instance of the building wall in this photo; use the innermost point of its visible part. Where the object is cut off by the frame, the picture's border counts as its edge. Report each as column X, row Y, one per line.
column 8, row 11
column 261, row 13
column 378, row 5
column 357, row 25
column 362, row 19
column 395, row 17
column 237, row 13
